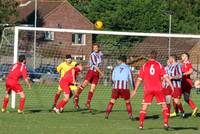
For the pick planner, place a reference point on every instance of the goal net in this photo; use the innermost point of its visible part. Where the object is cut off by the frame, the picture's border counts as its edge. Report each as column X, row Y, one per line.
column 48, row 48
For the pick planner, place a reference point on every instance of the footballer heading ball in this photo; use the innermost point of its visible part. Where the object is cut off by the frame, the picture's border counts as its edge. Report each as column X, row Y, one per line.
column 98, row 24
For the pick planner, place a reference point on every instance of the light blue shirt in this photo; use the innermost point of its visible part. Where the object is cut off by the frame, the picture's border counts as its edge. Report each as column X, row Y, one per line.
column 122, row 76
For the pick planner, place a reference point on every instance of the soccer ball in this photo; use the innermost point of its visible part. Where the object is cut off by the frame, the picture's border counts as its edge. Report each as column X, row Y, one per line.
column 197, row 84
column 98, row 24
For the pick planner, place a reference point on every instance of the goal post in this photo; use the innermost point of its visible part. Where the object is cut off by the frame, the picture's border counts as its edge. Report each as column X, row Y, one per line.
column 51, row 53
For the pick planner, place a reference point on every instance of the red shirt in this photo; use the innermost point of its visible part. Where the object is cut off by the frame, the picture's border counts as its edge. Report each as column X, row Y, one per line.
column 151, row 73
column 68, row 77
column 186, row 66
column 17, row 70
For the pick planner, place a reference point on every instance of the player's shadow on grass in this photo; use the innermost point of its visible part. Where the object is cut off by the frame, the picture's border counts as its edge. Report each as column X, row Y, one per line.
column 95, row 111
column 175, row 128
column 183, row 128
column 35, row 111
column 154, row 117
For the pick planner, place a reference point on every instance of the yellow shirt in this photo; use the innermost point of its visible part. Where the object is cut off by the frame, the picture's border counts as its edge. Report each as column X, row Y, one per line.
column 64, row 67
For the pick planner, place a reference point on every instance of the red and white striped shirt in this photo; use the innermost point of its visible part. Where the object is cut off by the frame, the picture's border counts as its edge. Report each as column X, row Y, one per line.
column 95, row 60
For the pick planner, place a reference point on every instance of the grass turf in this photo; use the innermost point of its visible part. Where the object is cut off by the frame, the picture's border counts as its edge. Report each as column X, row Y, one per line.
column 38, row 119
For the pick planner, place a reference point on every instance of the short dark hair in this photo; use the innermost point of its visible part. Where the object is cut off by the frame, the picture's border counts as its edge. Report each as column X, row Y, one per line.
column 21, row 58
column 68, row 56
column 95, row 44
column 153, row 54
column 188, row 55
column 174, row 57
column 122, row 58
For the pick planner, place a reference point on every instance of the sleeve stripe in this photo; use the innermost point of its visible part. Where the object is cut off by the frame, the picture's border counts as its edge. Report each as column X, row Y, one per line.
column 139, row 78
column 93, row 59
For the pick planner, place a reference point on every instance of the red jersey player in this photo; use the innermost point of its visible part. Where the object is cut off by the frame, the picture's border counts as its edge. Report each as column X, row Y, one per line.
column 92, row 76
column 66, row 81
column 17, row 71
column 187, row 82
column 151, row 73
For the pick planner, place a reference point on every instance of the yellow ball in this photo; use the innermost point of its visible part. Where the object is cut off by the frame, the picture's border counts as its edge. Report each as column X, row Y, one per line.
column 98, row 24
column 73, row 87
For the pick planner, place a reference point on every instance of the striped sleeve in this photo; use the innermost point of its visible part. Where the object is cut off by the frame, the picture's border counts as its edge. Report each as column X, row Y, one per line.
column 131, row 78
column 179, row 70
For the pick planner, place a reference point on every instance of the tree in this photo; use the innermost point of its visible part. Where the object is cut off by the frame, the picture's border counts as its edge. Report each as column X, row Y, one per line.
column 7, row 10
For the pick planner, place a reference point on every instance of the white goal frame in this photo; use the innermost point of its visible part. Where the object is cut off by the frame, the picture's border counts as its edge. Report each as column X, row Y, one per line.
column 141, row 34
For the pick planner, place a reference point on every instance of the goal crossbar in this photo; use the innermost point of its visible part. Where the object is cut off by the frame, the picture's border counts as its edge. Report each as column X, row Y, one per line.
column 169, row 35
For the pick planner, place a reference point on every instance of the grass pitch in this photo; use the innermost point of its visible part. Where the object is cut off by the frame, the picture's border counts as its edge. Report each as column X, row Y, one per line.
column 38, row 119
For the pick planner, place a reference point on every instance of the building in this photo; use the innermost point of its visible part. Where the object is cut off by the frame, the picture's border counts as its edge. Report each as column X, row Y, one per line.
column 57, row 14
column 178, row 46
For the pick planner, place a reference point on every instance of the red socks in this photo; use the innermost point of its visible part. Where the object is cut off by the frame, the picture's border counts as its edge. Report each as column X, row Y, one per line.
column 165, row 114
column 90, row 95
column 180, row 107
column 109, row 107
column 192, row 105
column 169, row 107
column 57, row 96
column 5, row 102
column 175, row 107
column 62, row 103
column 129, row 108
column 142, row 116
column 76, row 96
column 21, row 104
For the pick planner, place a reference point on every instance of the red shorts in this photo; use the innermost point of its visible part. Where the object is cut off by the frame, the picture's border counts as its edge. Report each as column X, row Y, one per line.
column 65, row 87
column 167, row 91
column 92, row 77
column 14, row 86
column 120, row 93
column 186, row 85
column 177, row 93
column 148, row 97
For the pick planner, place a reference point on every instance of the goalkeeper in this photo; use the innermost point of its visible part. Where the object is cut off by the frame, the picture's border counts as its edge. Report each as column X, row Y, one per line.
column 62, row 69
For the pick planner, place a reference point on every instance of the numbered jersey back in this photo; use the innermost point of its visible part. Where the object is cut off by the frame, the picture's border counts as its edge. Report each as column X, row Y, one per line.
column 16, row 71
column 152, row 72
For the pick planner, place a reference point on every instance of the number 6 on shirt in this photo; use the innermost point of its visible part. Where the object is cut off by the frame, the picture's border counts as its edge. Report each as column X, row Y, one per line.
column 152, row 70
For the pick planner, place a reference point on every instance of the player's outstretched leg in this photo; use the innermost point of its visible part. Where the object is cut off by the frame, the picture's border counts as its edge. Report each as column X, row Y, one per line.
column 165, row 113
column 142, row 115
column 90, row 95
column 76, row 97
column 21, row 102
column 78, row 92
column 109, row 108
column 191, row 103
column 56, row 97
column 60, row 106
